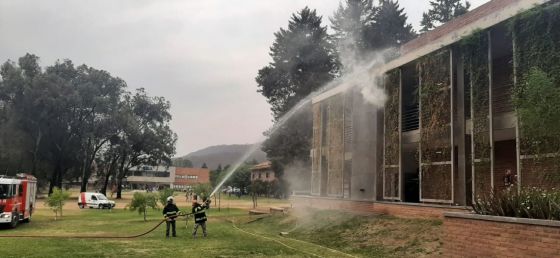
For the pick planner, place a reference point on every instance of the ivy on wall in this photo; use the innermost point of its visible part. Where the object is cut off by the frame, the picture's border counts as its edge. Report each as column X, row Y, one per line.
column 536, row 97
column 392, row 141
column 435, row 120
column 475, row 57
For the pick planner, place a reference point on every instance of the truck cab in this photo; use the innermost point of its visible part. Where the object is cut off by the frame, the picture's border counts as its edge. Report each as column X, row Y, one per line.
column 94, row 200
column 17, row 199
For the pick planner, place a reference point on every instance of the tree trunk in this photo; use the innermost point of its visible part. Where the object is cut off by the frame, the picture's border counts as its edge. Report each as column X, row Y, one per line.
column 144, row 214
column 110, row 172
column 35, row 153
column 54, row 178
column 120, row 176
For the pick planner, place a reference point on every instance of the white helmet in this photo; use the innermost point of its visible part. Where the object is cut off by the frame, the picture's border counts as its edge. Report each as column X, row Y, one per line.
column 170, row 199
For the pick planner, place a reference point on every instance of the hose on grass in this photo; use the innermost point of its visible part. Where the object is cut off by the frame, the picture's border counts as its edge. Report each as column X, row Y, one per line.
column 293, row 239
column 93, row 236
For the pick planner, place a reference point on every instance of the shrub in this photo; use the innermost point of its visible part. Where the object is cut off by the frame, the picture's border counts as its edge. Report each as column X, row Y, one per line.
column 532, row 203
column 163, row 194
column 56, row 200
column 141, row 202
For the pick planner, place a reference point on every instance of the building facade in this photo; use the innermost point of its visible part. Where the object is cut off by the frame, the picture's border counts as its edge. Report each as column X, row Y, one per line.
column 263, row 172
column 186, row 178
column 449, row 130
column 150, row 177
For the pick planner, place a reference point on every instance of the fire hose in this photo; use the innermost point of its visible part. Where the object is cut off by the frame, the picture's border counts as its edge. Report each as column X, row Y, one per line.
column 98, row 237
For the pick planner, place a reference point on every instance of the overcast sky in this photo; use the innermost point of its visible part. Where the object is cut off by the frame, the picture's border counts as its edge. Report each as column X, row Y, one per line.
column 202, row 55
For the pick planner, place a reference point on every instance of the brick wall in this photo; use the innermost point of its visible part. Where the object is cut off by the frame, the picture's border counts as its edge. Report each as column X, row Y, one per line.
column 468, row 235
column 369, row 207
column 202, row 176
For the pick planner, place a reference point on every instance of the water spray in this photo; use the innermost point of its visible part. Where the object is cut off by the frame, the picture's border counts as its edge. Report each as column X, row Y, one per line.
column 360, row 76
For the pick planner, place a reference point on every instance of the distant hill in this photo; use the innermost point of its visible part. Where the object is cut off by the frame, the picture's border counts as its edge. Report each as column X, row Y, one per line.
column 222, row 154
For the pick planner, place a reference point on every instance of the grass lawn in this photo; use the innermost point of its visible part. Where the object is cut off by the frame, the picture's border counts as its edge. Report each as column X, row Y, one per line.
column 232, row 233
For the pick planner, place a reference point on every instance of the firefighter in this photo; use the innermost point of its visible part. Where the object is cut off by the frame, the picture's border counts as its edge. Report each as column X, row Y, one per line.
column 200, row 215
column 170, row 213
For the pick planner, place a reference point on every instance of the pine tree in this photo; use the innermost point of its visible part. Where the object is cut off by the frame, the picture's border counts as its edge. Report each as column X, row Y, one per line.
column 350, row 23
column 303, row 60
column 361, row 27
column 442, row 11
column 390, row 27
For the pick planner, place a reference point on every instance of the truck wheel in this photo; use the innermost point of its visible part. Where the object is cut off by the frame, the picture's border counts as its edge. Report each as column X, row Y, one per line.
column 15, row 220
column 81, row 205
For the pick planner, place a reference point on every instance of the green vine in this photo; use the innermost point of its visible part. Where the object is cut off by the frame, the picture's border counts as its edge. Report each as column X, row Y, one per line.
column 537, row 92
column 392, row 142
column 475, row 57
column 435, row 131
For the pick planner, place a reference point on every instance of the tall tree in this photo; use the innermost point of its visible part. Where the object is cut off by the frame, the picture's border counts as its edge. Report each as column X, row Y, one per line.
column 390, row 27
column 361, row 27
column 351, row 23
column 146, row 137
column 303, row 59
column 65, row 122
column 442, row 11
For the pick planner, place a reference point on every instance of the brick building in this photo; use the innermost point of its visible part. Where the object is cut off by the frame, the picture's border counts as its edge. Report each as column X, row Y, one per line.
column 263, row 172
column 185, row 178
column 448, row 131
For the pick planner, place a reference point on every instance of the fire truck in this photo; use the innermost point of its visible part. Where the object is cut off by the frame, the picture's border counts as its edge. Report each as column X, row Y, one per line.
column 17, row 199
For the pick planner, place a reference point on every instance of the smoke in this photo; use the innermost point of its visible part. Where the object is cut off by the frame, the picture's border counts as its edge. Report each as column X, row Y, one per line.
column 361, row 71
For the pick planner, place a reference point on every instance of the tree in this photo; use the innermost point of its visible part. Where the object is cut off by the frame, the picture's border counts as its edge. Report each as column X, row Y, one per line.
column 361, row 27
column 202, row 190
column 351, row 23
column 57, row 200
column 241, row 178
column 442, row 11
column 216, row 175
column 303, row 60
column 164, row 194
column 390, row 27
column 142, row 201
column 204, row 165
column 256, row 189
column 146, row 136
column 182, row 162
column 66, row 122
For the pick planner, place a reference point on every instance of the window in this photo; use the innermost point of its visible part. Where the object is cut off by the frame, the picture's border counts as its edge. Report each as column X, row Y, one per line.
column 93, row 198
column 20, row 190
column 259, row 175
column 266, row 174
column 5, row 191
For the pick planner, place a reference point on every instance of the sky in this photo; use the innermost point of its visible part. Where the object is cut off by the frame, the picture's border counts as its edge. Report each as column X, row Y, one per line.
column 201, row 55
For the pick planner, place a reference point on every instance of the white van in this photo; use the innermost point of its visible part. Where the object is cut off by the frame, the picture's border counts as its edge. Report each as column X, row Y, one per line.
column 94, row 200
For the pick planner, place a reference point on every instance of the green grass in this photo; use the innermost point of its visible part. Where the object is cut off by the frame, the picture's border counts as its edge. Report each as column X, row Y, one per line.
column 232, row 233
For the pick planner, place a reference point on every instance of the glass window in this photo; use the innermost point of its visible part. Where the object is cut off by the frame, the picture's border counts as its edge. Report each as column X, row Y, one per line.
column 101, row 197
column 266, row 174
column 93, row 198
column 20, row 190
column 5, row 191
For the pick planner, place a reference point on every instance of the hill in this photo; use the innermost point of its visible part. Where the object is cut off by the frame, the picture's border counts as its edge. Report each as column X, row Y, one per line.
column 222, row 154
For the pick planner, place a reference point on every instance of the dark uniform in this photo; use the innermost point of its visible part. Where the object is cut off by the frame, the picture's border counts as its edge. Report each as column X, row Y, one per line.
column 170, row 213
column 199, row 217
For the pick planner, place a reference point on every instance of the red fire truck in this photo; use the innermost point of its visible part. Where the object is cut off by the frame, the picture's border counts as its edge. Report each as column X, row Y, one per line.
column 17, row 198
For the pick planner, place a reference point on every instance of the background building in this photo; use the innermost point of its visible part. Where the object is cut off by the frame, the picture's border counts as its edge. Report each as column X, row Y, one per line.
column 185, row 178
column 150, row 177
column 263, row 172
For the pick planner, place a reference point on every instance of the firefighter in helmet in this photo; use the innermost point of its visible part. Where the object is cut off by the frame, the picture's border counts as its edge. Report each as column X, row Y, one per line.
column 170, row 213
column 200, row 215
